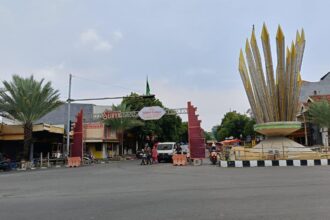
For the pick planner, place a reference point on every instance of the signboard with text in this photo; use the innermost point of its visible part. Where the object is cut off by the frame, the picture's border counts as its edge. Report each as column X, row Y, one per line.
column 151, row 113
column 111, row 115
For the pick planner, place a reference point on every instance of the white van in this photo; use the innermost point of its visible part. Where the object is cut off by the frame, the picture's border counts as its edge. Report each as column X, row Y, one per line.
column 165, row 151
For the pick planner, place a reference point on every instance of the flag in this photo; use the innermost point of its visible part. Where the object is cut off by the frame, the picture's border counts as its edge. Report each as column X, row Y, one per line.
column 147, row 88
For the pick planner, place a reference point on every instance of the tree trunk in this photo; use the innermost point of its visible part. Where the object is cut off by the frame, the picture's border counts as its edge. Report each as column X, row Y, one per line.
column 31, row 152
column 27, row 140
column 122, row 143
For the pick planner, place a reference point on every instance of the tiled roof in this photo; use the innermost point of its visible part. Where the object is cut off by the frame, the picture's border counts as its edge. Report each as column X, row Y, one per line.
column 320, row 97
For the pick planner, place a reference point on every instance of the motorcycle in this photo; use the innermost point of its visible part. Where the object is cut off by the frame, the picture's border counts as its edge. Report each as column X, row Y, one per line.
column 213, row 157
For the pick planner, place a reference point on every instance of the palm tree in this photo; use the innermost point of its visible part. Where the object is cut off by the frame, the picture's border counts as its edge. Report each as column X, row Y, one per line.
column 122, row 124
column 319, row 113
column 27, row 100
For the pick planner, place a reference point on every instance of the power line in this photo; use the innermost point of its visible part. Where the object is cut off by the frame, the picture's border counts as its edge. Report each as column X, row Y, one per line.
column 106, row 98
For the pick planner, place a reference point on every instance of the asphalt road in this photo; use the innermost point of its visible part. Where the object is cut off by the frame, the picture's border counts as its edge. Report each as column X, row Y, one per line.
column 126, row 190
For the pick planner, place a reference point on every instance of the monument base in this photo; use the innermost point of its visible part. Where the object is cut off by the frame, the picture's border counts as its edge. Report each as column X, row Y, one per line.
column 282, row 148
column 279, row 144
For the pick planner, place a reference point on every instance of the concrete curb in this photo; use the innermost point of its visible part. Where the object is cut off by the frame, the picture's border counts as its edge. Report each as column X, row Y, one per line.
column 274, row 163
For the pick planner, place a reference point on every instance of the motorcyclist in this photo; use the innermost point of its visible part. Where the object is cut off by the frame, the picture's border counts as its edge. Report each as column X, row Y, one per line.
column 213, row 149
column 213, row 154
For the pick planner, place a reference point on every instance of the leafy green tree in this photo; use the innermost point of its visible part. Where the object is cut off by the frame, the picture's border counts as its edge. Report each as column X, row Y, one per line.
column 136, row 102
column 215, row 131
column 27, row 100
column 319, row 113
column 235, row 124
column 208, row 136
column 122, row 124
column 249, row 127
column 168, row 128
column 183, row 132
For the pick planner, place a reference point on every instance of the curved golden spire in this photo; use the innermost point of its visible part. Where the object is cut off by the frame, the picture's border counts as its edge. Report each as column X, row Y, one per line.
column 276, row 98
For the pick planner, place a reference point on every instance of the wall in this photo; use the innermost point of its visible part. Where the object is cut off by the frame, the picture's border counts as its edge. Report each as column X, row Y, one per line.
column 98, row 150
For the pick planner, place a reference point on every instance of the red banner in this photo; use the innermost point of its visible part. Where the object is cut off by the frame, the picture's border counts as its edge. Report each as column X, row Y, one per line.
column 195, row 133
column 77, row 146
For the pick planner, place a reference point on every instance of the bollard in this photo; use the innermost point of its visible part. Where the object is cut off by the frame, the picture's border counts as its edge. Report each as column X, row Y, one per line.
column 179, row 160
column 74, row 161
column 198, row 162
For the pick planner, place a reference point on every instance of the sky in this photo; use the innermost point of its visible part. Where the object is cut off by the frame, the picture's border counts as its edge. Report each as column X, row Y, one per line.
column 188, row 49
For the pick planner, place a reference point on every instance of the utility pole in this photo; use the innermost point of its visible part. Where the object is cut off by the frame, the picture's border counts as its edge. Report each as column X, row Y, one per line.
column 68, row 121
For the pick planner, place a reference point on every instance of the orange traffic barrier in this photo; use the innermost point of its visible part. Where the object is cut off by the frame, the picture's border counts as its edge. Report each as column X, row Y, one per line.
column 179, row 160
column 74, row 161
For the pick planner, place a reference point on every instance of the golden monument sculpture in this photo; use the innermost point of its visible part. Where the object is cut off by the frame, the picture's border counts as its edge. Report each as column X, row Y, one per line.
column 273, row 94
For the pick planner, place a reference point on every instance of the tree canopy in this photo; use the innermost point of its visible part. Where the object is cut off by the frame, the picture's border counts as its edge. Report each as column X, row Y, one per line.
column 234, row 124
column 319, row 113
column 168, row 128
column 27, row 100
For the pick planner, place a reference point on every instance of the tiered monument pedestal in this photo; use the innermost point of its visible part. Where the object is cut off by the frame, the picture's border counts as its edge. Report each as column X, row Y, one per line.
column 277, row 146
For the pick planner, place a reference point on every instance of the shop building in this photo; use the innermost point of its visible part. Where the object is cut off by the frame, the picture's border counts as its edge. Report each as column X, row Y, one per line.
column 47, row 139
column 99, row 140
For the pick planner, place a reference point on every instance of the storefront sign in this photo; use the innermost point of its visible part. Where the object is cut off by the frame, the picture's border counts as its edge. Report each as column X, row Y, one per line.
column 94, row 131
column 151, row 113
column 111, row 114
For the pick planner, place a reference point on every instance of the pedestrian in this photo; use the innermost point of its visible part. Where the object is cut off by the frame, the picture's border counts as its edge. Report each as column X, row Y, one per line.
column 178, row 149
column 148, row 153
column 144, row 157
column 154, row 154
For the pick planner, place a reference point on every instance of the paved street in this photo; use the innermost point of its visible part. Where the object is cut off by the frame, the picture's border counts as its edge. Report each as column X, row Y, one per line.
column 126, row 190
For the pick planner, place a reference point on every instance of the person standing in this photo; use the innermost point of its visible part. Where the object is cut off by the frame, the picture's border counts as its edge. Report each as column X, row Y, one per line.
column 178, row 149
column 154, row 154
column 148, row 152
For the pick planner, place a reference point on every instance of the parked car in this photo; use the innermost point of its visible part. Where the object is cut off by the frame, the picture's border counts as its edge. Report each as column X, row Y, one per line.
column 165, row 151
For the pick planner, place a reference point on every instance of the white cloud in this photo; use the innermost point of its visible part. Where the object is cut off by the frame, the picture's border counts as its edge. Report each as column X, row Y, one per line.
column 117, row 36
column 6, row 16
column 103, row 45
column 50, row 72
column 90, row 38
